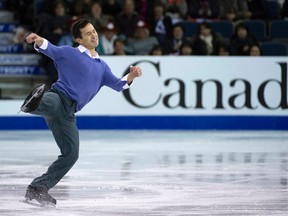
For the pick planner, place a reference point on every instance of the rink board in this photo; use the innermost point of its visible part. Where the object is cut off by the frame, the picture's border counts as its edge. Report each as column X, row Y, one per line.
column 156, row 123
column 235, row 93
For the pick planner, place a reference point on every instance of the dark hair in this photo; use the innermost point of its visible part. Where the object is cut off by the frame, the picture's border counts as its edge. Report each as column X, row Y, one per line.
column 256, row 45
column 205, row 25
column 241, row 26
column 118, row 40
column 186, row 44
column 80, row 24
column 179, row 25
column 156, row 47
column 159, row 4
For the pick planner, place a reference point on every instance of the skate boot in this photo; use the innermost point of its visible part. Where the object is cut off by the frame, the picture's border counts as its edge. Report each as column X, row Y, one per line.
column 32, row 101
column 40, row 195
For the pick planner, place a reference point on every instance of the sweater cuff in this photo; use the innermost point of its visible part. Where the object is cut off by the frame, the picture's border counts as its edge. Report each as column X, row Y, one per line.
column 126, row 86
column 43, row 46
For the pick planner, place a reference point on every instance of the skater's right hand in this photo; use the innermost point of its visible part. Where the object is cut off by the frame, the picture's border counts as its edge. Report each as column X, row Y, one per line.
column 31, row 38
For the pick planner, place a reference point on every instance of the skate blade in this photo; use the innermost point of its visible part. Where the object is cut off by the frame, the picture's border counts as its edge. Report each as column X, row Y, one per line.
column 48, row 205
column 39, row 205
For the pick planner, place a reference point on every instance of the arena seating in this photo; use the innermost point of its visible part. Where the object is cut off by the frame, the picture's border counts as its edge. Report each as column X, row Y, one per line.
column 19, row 72
column 258, row 29
column 272, row 48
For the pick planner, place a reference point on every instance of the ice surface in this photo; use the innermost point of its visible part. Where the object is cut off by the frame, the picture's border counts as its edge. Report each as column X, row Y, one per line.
column 145, row 173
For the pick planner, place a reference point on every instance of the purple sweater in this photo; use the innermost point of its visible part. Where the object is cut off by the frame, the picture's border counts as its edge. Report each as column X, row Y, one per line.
column 80, row 76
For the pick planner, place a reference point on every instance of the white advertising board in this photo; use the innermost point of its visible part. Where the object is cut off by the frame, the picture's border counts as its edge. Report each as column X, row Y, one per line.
column 191, row 86
column 197, row 86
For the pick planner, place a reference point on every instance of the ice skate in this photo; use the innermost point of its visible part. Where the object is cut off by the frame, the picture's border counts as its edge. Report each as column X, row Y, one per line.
column 40, row 195
column 32, row 101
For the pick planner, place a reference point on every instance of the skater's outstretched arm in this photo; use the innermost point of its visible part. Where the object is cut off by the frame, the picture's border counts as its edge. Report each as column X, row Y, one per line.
column 44, row 46
column 31, row 38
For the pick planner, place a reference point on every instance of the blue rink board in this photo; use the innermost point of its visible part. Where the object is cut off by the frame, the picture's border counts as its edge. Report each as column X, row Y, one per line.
column 156, row 122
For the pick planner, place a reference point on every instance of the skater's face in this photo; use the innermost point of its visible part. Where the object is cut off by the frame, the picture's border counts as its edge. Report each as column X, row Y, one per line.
column 89, row 37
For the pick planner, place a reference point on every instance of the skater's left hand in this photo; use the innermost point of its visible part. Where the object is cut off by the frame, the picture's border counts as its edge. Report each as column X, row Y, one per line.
column 135, row 71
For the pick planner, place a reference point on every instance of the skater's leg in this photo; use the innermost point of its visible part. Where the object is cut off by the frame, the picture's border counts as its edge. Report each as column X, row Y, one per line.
column 50, row 105
column 58, row 112
column 67, row 138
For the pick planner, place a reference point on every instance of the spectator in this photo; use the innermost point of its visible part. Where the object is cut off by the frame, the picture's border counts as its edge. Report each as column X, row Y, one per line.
column 127, row 20
column 142, row 7
column 20, row 38
column 111, row 8
column 98, row 19
column 107, row 38
column 68, row 38
column 171, row 46
column 284, row 10
column 202, row 9
column 178, row 6
column 186, row 49
column 258, row 9
column 255, row 50
column 174, row 14
column 23, row 11
column 206, row 42
column 224, row 50
column 142, row 43
column 160, row 23
column 157, row 51
column 119, row 48
column 81, row 7
column 53, row 26
column 59, row 22
column 233, row 10
column 43, row 19
column 241, row 40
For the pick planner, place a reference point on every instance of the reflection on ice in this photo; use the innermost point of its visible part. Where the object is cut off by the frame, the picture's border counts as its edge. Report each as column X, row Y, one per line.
column 152, row 173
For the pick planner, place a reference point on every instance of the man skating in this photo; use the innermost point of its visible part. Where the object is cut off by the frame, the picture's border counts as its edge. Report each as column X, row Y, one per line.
column 81, row 75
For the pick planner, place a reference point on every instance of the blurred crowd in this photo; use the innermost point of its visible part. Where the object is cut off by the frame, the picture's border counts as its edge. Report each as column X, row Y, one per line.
column 146, row 27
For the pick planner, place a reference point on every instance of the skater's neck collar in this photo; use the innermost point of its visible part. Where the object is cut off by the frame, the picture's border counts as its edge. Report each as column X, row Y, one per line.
column 83, row 49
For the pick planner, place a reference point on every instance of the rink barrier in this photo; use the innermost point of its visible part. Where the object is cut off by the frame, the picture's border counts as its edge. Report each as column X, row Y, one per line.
column 155, row 123
column 185, row 93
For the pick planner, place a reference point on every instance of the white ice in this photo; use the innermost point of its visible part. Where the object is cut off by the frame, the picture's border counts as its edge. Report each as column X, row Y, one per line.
column 145, row 173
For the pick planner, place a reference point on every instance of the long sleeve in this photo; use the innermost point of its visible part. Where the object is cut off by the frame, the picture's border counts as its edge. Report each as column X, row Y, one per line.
column 50, row 50
column 114, row 82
